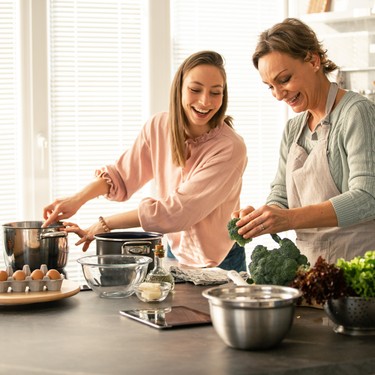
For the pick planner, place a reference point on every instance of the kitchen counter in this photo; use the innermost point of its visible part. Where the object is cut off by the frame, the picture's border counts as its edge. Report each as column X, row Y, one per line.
column 85, row 334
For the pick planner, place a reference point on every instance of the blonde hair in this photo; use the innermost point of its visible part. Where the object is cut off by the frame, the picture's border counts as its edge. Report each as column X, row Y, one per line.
column 294, row 38
column 177, row 120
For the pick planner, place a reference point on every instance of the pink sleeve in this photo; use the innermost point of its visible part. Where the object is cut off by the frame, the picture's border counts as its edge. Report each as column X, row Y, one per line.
column 129, row 174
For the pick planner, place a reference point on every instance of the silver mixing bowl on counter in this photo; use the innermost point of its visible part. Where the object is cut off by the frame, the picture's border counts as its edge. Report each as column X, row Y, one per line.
column 254, row 316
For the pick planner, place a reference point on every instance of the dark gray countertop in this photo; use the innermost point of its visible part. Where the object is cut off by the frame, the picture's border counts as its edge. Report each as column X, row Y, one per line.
column 85, row 334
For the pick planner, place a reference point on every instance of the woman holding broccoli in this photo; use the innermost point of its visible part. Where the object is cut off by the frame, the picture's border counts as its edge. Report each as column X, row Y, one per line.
column 324, row 187
column 189, row 153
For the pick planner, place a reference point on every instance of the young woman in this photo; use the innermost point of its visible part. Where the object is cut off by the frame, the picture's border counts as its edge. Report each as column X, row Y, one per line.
column 324, row 187
column 196, row 160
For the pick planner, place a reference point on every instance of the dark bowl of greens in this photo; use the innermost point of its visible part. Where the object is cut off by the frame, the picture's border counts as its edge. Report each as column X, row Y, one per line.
column 346, row 290
column 353, row 316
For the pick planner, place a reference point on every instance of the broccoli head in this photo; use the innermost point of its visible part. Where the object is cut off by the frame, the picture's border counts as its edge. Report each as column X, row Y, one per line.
column 277, row 266
column 233, row 233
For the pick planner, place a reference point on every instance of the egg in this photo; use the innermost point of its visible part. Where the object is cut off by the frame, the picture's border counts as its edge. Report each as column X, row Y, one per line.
column 37, row 275
column 53, row 274
column 3, row 276
column 19, row 275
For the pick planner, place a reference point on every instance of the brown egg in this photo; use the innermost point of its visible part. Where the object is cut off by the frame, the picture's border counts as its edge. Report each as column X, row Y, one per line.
column 37, row 275
column 53, row 274
column 19, row 275
column 3, row 276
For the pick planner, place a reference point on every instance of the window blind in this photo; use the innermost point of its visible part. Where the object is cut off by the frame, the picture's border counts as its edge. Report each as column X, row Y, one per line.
column 10, row 141
column 97, row 93
column 232, row 28
column 10, row 156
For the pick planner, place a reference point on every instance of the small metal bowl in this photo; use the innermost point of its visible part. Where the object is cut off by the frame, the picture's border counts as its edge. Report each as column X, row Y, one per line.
column 114, row 276
column 354, row 316
column 254, row 316
column 157, row 294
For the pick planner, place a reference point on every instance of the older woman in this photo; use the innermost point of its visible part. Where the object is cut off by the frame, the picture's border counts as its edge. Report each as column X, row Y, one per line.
column 324, row 187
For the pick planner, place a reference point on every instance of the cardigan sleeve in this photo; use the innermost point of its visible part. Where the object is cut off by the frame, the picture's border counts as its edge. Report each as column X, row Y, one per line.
column 356, row 140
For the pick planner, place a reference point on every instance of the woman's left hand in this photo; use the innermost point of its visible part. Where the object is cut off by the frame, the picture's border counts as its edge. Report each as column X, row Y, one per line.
column 87, row 235
column 265, row 219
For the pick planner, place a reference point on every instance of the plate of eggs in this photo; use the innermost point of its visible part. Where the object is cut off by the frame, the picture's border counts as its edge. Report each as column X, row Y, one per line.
column 40, row 285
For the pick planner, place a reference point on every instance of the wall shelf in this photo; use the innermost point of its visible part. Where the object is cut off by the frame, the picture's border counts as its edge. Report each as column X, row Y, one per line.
column 352, row 16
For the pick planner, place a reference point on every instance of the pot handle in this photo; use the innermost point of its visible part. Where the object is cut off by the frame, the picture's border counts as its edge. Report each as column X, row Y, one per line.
column 53, row 234
column 136, row 247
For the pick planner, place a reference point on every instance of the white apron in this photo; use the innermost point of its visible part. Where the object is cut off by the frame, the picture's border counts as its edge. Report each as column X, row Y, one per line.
column 309, row 181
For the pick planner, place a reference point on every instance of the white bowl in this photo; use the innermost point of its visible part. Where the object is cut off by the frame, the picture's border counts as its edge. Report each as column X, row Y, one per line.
column 153, row 292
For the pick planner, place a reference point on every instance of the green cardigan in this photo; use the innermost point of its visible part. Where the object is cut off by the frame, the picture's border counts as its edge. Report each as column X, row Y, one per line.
column 351, row 157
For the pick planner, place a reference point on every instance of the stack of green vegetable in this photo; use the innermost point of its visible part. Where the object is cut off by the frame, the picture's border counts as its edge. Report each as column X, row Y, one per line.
column 359, row 274
column 324, row 281
column 277, row 266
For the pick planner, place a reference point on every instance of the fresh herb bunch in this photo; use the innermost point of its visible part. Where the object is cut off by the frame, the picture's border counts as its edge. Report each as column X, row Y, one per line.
column 321, row 282
column 233, row 233
column 359, row 274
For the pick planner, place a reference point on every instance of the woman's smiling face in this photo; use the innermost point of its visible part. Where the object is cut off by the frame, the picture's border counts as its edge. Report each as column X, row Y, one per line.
column 202, row 97
column 291, row 80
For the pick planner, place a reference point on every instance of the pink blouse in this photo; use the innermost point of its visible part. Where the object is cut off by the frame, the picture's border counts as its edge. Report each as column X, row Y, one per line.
column 192, row 205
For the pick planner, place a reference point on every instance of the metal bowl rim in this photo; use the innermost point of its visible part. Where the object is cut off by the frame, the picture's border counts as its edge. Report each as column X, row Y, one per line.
column 292, row 295
column 143, row 236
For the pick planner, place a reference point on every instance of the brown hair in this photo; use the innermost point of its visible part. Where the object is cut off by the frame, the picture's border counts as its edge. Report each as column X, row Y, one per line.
column 177, row 120
column 294, row 38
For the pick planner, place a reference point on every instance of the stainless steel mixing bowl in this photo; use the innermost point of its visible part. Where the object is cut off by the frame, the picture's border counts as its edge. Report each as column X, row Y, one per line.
column 254, row 316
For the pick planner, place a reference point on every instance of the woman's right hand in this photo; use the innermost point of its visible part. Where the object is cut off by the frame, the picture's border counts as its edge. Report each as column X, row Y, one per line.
column 60, row 209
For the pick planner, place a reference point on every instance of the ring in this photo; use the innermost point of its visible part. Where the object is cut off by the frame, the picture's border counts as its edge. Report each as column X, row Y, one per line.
column 262, row 226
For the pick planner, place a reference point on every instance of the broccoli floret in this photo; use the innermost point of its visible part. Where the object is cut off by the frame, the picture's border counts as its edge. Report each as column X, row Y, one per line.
column 287, row 247
column 302, row 260
column 277, row 266
column 288, row 269
column 259, row 252
column 233, row 233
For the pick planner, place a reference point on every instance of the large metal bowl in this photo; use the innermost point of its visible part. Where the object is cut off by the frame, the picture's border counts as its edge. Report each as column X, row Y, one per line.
column 114, row 276
column 353, row 316
column 254, row 316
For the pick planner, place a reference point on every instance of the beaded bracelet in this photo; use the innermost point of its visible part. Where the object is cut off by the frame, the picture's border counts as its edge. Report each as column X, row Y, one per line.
column 104, row 224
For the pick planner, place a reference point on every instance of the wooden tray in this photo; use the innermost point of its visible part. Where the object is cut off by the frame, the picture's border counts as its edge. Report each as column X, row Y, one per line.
column 68, row 289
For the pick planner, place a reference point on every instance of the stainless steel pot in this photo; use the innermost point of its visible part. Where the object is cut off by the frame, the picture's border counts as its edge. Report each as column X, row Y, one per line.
column 26, row 242
column 128, row 243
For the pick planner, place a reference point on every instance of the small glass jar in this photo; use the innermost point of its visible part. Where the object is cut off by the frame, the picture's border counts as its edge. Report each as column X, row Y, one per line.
column 159, row 273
